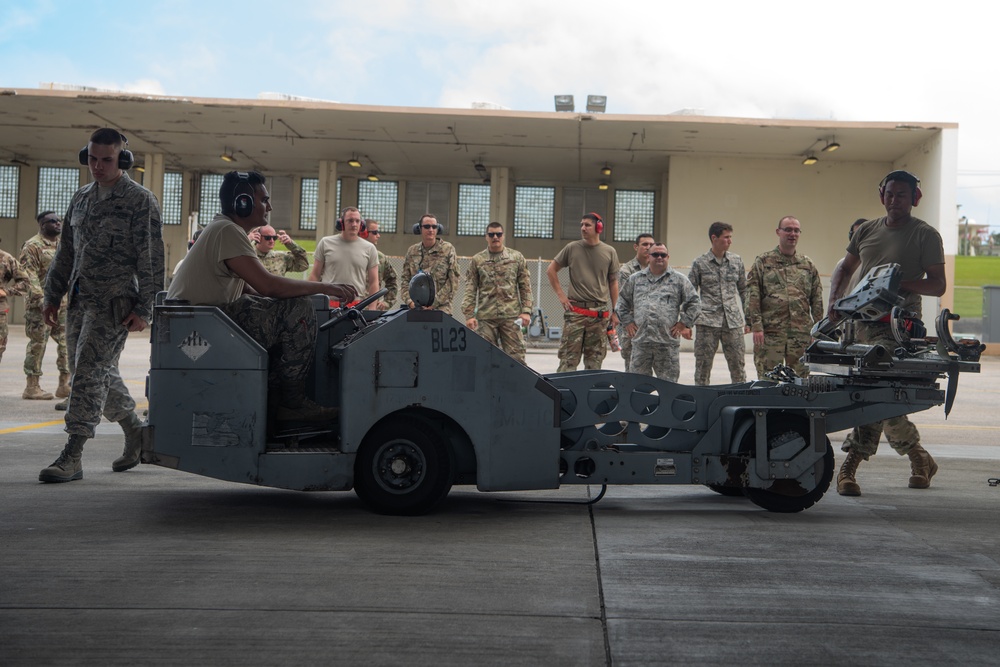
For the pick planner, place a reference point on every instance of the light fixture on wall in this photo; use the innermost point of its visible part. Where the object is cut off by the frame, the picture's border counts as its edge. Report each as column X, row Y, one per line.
column 354, row 162
column 831, row 146
column 603, row 186
column 227, row 156
column 373, row 177
column 565, row 103
column 481, row 170
column 606, row 170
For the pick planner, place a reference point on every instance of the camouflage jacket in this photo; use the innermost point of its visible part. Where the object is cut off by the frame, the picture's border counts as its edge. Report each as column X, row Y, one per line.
column 502, row 284
column 656, row 303
column 387, row 278
column 13, row 280
column 110, row 248
column 784, row 294
column 722, row 284
column 36, row 256
column 279, row 262
column 627, row 269
column 441, row 262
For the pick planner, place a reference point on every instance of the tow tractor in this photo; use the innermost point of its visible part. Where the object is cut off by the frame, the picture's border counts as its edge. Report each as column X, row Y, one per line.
column 425, row 404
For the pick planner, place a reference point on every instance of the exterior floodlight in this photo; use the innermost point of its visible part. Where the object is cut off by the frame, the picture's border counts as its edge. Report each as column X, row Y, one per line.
column 565, row 103
column 597, row 103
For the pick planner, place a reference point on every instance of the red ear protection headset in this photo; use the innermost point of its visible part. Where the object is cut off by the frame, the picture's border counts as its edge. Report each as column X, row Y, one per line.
column 598, row 221
column 904, row 177
column 340, row 224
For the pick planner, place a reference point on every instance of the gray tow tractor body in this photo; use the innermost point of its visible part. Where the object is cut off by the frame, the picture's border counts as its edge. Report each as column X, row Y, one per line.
column 425, row 403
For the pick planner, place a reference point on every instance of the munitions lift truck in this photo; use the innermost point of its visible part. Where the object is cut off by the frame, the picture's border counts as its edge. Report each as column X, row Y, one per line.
column 425, row 403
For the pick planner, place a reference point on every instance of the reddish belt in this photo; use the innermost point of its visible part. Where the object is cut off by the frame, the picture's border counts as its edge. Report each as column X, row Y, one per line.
column 600, row 314
column 340, row 304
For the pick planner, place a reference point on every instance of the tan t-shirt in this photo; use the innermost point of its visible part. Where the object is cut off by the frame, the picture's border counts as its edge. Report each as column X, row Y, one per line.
column 346, row 262
column 204, row 278
column 590, row 269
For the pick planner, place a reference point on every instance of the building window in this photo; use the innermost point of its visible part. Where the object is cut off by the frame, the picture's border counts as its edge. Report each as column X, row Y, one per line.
column 9, row 180
column 576, row 202
column 534, row 212
column 173, row 192
column 634, row 214
column 423, row 197
column 208, row 199
column 56, row 187
column 473, row 209
column 379, row 200
column 308, row 198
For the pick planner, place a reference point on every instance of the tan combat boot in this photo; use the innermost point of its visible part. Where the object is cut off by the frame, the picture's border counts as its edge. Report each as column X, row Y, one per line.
column 922, row 468
column 33, row 392
column 68, row 466
column 129, row 459
column 846, row 484
column 62, row 391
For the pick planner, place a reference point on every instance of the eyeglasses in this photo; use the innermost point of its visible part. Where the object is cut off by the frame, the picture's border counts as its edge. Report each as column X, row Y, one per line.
column 790, row 230
column 429, row 226
column 51, row 220
column 374, row 232
column 495, row 235
column 658, row 255
column 268, row 237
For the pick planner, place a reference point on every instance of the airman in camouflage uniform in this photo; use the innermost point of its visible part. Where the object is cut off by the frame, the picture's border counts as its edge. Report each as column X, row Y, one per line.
column 643, row 242
column 386, row 274
column 658, row 305
column 721, row 280
column 785, row 298
column 278, row 262
column 13, row 281
column 435, row 257
column 36, row 256
column 110, row 263
column 498, row 280
column 593, row 282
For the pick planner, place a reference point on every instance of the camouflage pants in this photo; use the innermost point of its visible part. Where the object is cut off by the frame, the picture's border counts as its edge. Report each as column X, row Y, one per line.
column 626, row 344
column 662, row 358
column 706, row 342
column 95, row 339
column 286, row 328
column 38, row 334
column 3, row 325
column 582, row 336
column 900, row 431
column 505, row 334
column 780, row 348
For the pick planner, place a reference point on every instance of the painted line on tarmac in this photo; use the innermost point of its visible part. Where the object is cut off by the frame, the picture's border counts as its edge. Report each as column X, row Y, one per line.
column 31, row 427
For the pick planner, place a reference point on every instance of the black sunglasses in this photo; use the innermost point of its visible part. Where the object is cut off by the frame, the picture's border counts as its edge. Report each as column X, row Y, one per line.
column 494, row 235
column 375, row 232
column 429, row 226
column 268, row 237
column 658, row 255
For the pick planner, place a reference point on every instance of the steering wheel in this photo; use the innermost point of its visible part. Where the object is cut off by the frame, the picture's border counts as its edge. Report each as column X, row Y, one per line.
column 354, row 312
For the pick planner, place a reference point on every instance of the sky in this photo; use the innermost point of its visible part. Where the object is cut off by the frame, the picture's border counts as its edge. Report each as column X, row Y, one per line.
column 916, row 61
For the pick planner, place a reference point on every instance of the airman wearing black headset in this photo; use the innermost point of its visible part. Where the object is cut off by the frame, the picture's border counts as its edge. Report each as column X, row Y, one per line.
column 436, row 257
column 916, row 246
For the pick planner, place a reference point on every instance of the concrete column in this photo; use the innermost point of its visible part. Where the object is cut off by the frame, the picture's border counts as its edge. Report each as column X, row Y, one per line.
column 152, row 178
column 326, row 199
column 501, row 197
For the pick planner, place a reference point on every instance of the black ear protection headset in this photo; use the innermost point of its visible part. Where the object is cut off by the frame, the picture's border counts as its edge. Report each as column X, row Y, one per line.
column 340, row 224
column 905, row 177
column 243, row 203
column 416, row 227
column 125, row 157
column 598, row 222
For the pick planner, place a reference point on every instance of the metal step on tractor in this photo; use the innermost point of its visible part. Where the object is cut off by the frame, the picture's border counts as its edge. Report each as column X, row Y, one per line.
column 425, row 404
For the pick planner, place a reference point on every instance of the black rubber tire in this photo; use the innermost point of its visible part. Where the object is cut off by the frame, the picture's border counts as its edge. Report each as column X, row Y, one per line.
column 403, row 467
column 729, row 491
column 789, row 496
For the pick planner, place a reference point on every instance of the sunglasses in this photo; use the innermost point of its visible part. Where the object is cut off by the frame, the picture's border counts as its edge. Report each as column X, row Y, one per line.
column 429, row 226
column 268, row 237
column 495, row 235
column 374, row 232
column 658, row 255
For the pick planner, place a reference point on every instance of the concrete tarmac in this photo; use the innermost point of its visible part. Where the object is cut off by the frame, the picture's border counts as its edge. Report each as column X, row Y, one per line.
column 155, row 566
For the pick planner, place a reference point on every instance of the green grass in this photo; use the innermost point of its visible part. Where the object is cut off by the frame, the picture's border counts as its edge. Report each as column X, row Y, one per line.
column 968, row 301
column 977, row 271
